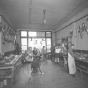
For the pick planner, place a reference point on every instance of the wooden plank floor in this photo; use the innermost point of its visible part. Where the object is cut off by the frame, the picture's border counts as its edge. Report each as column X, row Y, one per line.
column 54, row 77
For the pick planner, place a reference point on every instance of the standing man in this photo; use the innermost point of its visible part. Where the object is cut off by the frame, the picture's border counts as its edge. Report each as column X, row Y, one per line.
column 65, row 57
column 43, row 52
column 35, row 52
column 71, row 60
column 17, row 49
column 53, row 52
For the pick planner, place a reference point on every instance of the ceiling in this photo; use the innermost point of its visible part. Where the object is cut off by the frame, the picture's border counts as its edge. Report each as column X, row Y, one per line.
column 28, row 14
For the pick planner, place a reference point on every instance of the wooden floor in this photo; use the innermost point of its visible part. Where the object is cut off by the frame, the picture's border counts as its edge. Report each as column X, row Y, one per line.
column 55, row 76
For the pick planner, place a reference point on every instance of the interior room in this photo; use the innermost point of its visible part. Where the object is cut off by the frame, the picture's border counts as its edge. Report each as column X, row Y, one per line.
column 43, row 43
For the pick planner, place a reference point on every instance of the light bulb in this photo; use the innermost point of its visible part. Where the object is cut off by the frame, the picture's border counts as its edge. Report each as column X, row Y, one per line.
column 44, row 21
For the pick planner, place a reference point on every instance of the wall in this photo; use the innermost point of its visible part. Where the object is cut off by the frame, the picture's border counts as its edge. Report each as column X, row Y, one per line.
column 7, row 46
column 0, row 35
column 0, row 41
column 6, row 17
column 18, row 38
column 81, row 43
column 63, row 31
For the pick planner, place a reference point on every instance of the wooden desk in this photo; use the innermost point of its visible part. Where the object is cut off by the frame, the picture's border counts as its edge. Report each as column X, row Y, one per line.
column 13, row 64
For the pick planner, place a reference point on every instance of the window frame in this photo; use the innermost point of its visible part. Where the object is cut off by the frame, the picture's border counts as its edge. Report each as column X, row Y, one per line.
column 36, row 37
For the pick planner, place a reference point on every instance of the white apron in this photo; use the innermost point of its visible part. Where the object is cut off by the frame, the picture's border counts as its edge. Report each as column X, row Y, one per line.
column 71, row 64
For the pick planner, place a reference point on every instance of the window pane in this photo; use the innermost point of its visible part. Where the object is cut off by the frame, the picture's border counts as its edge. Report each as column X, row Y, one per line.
column 23, row 41
column 24, row 47
column 32, row 34
column 43, row 42
column 48, row 34
column 48, row 48
column 48, row 41
column 41, row 34
column 24, row 33
column 36, row 42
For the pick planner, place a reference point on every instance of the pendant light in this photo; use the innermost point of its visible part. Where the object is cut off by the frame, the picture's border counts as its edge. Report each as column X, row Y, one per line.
column 44, row 11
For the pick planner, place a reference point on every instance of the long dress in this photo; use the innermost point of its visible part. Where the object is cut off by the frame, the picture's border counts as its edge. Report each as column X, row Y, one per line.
column 71, row 62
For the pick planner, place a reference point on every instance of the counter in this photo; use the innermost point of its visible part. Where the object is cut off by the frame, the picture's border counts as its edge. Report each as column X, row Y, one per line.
column 82, row 65
column 11, row 64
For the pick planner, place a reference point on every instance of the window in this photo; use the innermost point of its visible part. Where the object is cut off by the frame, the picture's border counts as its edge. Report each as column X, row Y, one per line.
column 48, row 40
column 24, row 47
column 23, row 41
column 35, row 39
column 48, row 48
column 23, row 33
column 48, row 44
column 48, row 34
column 32, row 34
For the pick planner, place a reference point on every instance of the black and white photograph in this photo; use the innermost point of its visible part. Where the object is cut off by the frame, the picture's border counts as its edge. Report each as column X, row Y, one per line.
column 43, row 43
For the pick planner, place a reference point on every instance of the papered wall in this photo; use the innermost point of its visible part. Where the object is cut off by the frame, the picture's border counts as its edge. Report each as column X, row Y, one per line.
column 0, row 37
column 18, row 39
column 0, row 41
column 80, row 43
column 6, row 17
column 5, row 46
column 64, row 32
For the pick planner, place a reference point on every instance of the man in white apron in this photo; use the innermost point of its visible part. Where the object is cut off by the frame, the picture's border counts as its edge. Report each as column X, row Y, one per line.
column 71, row 61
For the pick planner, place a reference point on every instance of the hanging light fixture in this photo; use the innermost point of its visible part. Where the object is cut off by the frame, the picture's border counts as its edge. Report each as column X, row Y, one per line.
column 44, row 11
column 30, row 8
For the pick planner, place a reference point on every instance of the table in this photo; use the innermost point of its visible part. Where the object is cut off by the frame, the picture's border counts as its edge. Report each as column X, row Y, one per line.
column 13, row 64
